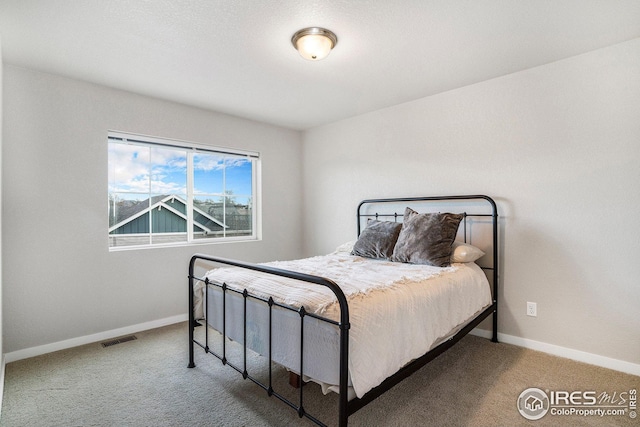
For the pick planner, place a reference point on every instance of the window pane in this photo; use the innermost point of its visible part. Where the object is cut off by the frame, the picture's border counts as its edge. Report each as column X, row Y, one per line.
column 208, row 218
column 128, row 219
column 238, row 217
column 238, row 174
column 168, row 171
column 128, row 168
column 208, row 174
column 168, row 218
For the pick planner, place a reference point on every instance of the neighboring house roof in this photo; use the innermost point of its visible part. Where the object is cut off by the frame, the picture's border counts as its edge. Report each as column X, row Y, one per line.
column 175, row 205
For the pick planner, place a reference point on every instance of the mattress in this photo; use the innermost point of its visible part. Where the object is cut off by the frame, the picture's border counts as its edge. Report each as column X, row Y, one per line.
column 397, row 313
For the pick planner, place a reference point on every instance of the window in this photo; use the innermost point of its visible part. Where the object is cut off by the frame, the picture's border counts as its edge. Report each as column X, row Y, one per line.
column 165, row 192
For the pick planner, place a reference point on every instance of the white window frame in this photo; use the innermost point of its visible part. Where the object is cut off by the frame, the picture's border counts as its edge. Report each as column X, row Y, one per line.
column 190, row 149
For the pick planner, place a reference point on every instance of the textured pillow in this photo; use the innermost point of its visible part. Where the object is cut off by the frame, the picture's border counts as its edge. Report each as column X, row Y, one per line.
column 377, row 239
column 464, row 252
column 426, row 238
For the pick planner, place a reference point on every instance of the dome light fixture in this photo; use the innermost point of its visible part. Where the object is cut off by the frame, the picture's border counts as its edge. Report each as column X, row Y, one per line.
column 314, row 43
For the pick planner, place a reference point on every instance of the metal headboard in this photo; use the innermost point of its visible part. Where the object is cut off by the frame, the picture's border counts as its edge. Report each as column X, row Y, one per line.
column 486, row 208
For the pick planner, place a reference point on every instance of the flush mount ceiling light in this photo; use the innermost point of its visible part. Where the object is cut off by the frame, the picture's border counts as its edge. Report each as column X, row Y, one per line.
column 314, row 43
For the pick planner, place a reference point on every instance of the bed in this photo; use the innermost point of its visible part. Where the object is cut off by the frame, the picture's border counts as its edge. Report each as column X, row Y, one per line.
column 421, row 275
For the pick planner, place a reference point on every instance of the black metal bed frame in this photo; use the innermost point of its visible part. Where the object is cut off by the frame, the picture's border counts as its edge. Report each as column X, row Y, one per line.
column 346, row 407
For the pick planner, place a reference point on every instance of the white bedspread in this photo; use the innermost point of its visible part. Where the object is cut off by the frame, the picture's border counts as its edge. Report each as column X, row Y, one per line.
column 397, row 311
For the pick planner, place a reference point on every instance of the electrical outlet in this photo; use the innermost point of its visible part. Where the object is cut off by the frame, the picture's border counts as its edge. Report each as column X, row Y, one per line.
column 532, row 309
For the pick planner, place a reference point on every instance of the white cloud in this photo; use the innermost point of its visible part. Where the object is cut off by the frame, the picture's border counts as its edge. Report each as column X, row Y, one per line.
column 134, row 168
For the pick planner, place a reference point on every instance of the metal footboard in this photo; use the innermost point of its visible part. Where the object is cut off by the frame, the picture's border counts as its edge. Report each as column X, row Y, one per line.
column 342, row 324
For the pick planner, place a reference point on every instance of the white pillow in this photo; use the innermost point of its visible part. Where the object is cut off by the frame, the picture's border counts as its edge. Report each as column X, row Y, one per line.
column 345, row 247
column 464, row 252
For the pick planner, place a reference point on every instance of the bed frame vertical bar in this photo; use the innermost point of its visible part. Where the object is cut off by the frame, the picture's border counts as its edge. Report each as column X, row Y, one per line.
column 245, row 373
column 191, row 314
column 224, row 323
column 464, row 233
column 494, row 338
column 343, row 403
column 270, row 389
column 206, row 316
column 302, row 313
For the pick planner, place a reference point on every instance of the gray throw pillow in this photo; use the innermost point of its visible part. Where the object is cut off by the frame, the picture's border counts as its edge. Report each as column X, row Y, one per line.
column 377, row 239
column 426, row 238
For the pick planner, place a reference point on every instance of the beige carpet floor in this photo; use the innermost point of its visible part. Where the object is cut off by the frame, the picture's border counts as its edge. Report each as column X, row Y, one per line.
column 146, row 382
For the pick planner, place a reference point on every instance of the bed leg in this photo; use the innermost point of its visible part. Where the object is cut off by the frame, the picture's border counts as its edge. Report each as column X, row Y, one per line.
column 294, row 380
column 191, row 358
column 494, row 338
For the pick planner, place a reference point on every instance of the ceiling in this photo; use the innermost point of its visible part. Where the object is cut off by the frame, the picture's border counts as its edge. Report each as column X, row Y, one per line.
column 235, row 56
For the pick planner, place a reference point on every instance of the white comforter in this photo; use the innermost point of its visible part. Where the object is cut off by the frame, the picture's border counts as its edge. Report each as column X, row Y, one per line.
column 397, row 311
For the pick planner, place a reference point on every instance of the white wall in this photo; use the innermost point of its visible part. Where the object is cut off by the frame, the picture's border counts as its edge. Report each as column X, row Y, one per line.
column 557, row 146
column 60, row 280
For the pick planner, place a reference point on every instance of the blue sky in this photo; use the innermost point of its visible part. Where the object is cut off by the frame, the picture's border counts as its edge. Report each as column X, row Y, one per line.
column 143, row 170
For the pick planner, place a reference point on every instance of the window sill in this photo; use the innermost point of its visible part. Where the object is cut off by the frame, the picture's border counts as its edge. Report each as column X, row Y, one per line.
column 183, row 244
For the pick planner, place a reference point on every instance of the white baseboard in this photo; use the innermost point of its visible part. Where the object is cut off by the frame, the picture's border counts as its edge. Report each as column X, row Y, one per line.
column 568, row 353
column 88, row 339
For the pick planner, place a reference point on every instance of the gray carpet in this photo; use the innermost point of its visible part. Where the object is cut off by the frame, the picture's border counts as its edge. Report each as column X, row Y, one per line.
column 146, row 383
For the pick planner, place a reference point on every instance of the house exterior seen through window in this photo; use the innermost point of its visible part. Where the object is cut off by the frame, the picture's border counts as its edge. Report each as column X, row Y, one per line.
column 164, row 192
